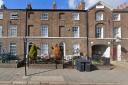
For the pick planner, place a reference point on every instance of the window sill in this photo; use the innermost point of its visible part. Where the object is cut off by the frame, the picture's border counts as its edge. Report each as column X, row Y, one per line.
column 76, row 20
column 13, row 19
column 100, row 38
column 44, row 19
column 62, row 19
column 12, row 36
column 116, row 20
column 99, row 20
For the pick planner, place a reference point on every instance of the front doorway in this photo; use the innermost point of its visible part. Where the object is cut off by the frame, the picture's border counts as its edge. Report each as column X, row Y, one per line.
column 62, row 47
column 99, row 51
column 66, row 63
column 114, row 57
column 116, row 53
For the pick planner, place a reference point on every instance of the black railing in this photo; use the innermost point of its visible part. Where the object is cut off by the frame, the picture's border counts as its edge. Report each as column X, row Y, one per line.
column 7, row 58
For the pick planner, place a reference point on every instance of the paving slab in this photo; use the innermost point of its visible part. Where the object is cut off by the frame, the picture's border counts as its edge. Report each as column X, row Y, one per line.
column 19, row 83
column 118, row 75
column 47, row 78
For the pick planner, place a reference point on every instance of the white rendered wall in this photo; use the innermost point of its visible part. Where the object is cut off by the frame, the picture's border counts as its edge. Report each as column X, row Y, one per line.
column 118, row 52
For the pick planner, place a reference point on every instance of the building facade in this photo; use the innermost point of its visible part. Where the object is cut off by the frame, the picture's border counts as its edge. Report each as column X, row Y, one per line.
column 100, row 30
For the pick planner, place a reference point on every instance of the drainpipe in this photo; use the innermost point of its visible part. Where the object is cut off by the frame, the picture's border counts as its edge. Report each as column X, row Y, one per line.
column 87, row 35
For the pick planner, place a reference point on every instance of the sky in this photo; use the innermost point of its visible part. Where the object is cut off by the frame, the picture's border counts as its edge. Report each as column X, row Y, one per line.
column 61, row 4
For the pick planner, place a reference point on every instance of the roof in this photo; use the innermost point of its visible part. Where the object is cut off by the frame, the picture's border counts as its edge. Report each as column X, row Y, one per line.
column 103, row 3
column 53, row 10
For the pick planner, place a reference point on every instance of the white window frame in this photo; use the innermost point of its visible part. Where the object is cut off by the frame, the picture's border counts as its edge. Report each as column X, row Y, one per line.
column 13, row 15
column 44, row 16
column 99, row 16
column 44, row 31
column 12, row 49
column 99, row 32
column 100, row 6
column 44, row 49
column 117, row 32
column 116, row 16
column 74, row 31
column 12, row 31
column 76, row 16
column 76, row 49
column 1, row 31
column 1, row 15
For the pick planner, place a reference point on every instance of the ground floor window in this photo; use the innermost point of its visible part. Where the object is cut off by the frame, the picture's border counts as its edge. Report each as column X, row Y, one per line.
column 13, row 48
column 76, row 49
column 44, row 49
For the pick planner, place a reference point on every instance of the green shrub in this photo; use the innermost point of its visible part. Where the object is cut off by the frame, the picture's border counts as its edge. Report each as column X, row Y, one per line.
column 95, row 62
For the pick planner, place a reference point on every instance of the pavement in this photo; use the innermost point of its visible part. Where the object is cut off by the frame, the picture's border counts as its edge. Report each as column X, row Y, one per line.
column 15, row 76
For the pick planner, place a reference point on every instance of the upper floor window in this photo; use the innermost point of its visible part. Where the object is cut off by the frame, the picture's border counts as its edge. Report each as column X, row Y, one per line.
column 13, row 15
column 61, row 16
column 116, row 17
column 99, row 16
column 75, row 16
column 116, row 32
column 44, row 31
column 76, row 49
column 44, row 49
column 1, row 15
column 12, row 30
column 1, row 31
column 44, row 16
column 75, row 31
column 12, row 48
column 99, row 32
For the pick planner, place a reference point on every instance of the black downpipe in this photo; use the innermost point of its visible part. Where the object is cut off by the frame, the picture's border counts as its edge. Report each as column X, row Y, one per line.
column 87, row 36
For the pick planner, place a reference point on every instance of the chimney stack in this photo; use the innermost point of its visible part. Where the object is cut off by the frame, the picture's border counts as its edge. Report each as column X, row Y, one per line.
column 54, row 5
column 29, row 6
column 3, row 6
column 81, row 6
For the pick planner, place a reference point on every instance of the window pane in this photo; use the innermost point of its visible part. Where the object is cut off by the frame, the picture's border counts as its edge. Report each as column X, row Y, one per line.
column 13, row 15
column 99, row 16
column 75, row 16
column 44, row 16
column 99, row 32
column 44, row 31
column 12, row 31
column 117, row 32
column 116, row 17
column 44, row 49
column 13, row 48
column 75, row 31
column 76, row 48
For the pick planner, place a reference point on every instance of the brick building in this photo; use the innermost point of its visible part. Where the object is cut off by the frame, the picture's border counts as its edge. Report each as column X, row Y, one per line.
column 100, row 30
